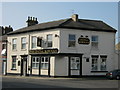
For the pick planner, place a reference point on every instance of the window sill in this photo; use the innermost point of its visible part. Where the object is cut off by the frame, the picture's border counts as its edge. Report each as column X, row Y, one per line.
column 14, row 50
column 72, row 48
column 13, row 69
column 23, row 49
column 99, row 71
column 35, row 68
column 44, row 69
column 74, row 69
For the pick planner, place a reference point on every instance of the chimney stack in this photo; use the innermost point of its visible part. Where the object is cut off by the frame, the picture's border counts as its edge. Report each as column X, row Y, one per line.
column 5, row 30
column 31, row 21
column 75, row 17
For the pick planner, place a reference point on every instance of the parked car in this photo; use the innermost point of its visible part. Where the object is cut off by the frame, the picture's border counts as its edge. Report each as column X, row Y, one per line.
column 114, row 74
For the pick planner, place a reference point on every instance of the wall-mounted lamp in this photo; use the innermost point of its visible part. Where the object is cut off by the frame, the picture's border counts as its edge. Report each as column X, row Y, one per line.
column 56, row 35
column 81, row 35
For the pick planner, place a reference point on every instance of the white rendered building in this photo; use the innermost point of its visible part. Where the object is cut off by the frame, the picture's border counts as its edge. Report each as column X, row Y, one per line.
column 68, row 47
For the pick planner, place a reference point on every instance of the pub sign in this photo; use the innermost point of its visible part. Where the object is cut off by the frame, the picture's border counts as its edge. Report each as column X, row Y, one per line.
column 83, row 40
column 43, row 51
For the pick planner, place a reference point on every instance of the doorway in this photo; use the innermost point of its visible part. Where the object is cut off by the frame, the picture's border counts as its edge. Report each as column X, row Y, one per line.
column 23, row 65
column 75, row 66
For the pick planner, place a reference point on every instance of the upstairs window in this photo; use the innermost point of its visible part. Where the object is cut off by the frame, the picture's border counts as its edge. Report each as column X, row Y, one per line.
column 94, row 41
column 49, row 40
column 14, row 44
column 23, row 43
column 34, row 41
column 72, row 40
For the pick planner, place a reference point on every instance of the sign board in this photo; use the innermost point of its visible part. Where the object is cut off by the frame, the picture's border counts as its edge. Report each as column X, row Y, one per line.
column 83, row 40
column 43, row 51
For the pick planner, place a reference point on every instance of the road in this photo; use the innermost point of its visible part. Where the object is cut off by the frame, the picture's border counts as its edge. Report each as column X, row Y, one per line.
column 46, row 82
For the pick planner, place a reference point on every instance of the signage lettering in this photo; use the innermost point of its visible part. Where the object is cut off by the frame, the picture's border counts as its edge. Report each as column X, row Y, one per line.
column 82, row 40
column 43, row 51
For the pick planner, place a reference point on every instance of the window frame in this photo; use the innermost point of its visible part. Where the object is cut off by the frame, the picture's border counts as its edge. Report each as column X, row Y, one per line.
column 94, row 41
column 14, row 61
column 49, row 41
column 33, row 42
column 45, row 63
column 14, row 44
column 23, row 43
column 75, row 63
column 105, row 64
column 72, row 41
column 36, row 63
column 94, row 64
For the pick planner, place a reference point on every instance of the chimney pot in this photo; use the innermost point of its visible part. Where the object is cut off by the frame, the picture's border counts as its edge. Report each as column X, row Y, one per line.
column 75, row 17
column 28, row 17
column 34, row 19
column 31, row 21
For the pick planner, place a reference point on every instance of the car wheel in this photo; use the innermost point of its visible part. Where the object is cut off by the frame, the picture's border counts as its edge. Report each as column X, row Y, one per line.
column 117, row 77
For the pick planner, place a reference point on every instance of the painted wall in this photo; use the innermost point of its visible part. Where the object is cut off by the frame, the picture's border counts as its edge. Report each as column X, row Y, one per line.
column 19, row 51
column 61, row 66
column 106, row 46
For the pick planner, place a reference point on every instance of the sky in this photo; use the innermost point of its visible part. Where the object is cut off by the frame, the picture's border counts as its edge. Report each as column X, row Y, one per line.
column 16, row 13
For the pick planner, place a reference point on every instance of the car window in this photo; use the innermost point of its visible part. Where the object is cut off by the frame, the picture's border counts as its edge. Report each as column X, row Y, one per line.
column 119, row 72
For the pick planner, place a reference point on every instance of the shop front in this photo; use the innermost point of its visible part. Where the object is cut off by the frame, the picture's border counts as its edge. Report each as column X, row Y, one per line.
column 48, row 62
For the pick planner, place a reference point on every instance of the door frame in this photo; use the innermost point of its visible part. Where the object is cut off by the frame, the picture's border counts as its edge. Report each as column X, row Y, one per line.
column 23, row 60
column 69, row 66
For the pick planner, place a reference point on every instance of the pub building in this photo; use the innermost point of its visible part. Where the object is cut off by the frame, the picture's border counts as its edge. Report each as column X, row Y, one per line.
column 67, row 47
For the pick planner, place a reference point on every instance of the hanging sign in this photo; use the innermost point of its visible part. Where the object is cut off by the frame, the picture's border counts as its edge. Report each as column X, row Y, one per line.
column 83, row 40
column 43, row 51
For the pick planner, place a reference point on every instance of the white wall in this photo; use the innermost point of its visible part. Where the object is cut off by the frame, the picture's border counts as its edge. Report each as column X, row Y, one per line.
column 19, row 52
column 61, row 66
column 106, row 46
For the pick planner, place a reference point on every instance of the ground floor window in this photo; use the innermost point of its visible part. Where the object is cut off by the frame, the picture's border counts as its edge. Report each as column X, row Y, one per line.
column 35, row 62
column 94, row 63
column 44, row 62
column 13, row 62
column 75, row 62
column 98, row 63
column 103, row 63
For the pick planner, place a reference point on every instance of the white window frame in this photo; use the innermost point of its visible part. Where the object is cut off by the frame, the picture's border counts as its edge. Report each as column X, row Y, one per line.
column 14, row 44
column 94, row 42
column 33, row 42
column 14, row 62
column 35, row 62
column 71, row 41
column 49, row 40
column 75, row 63
column 44, row 62
column 103, row 64
column 23, row 43
column 94, row 66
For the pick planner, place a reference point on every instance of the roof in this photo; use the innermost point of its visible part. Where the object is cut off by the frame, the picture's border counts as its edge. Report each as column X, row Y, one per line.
column 81, row 24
